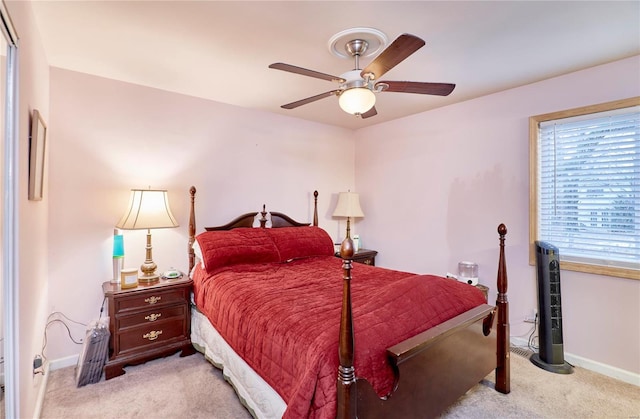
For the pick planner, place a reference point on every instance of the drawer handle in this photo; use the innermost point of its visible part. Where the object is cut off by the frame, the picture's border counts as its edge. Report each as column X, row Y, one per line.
column 152, row 335
column 367, row 261
column 153, row 317
column 152, row 299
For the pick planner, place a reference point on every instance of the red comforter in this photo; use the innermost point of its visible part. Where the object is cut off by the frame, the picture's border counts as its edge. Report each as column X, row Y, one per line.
column 283, row 319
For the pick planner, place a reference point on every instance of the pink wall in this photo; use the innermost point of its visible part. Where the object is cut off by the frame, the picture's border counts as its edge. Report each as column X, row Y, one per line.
column 33, row 222
column 108, row 137
column 435, row 186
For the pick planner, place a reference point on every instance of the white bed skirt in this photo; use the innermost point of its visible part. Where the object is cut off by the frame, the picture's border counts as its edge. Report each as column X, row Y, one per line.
column 262, row 401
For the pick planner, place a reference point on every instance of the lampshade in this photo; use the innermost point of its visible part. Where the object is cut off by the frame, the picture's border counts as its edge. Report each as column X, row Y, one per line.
column 348, row 205
column 148, row 208
column 357, row 100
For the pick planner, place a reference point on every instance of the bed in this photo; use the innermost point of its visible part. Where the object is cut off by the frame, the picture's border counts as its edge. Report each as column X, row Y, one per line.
column 301, row 333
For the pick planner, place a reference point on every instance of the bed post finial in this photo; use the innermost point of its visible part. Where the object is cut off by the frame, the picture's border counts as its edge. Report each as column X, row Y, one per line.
column 263, row 220
column 315, row 208
column 192, row 228
column 503, row 369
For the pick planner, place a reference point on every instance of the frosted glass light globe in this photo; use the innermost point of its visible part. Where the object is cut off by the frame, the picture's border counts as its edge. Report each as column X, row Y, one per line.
column 357, row 100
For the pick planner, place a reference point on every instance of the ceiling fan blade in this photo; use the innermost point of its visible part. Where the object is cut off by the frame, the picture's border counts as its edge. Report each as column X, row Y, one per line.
column 440, row 89
column 401, row 48
column 306, row 72
column 301, row 102
column 368, row 114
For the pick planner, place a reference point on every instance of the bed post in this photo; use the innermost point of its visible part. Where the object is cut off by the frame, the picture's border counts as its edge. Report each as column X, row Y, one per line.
column 315, row 208
column 192, row 229
column 503, row 368
column 346, row 384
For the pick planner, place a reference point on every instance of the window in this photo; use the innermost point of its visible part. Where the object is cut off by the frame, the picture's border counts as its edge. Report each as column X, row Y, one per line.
column 585, row 187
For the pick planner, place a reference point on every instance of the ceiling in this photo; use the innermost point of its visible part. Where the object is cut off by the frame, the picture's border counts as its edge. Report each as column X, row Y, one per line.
column 221, row 50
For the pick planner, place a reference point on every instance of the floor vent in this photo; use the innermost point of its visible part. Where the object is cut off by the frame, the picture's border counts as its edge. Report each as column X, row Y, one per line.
column 523, row 352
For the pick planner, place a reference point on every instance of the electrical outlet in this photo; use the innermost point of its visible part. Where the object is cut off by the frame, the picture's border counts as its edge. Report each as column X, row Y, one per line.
column 37, row 364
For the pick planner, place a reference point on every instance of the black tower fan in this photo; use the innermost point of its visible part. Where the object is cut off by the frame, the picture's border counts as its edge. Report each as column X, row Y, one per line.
column 551, row 355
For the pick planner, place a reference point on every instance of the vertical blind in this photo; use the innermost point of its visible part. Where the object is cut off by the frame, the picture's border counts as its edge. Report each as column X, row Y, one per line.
column 589, row 187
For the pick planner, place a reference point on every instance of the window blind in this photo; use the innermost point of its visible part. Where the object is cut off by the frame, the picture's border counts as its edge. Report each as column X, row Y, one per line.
column 589, row 187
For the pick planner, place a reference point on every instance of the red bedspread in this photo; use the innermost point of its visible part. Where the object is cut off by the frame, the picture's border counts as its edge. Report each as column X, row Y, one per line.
column 284, row 319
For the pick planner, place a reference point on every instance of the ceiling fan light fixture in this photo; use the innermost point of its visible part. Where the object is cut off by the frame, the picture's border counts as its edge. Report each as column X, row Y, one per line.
column 357, row 100
column 358, row 87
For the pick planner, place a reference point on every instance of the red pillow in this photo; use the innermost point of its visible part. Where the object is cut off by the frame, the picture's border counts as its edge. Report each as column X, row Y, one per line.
column 300, row 242
column 240, row 245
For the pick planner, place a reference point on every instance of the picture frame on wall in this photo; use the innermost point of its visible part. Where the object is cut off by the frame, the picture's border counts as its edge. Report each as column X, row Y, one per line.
column 37, row 145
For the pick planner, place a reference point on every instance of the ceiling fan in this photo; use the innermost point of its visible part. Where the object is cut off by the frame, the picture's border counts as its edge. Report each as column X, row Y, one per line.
column 357, row 88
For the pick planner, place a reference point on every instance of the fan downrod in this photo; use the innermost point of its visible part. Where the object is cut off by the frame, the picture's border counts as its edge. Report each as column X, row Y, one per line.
column 356, row 48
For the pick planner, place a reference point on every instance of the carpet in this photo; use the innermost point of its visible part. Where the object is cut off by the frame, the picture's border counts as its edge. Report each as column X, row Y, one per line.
column 175, row 387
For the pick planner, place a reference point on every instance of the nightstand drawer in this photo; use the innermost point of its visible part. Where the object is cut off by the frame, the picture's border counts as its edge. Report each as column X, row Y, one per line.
column 148, row 335
column 151, row 299
column 369, row 260
column 148, row 317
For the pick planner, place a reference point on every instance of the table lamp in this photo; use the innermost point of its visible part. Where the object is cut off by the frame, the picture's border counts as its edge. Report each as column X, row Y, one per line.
column 348, row 206
column 148, row 209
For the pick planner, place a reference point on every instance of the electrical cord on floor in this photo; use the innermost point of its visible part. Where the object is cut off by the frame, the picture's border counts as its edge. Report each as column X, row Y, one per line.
column 102, row 308
column 532, row 338
column 50, row 321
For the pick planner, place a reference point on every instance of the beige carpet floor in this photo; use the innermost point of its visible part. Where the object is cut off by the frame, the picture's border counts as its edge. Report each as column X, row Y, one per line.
column 190, row 387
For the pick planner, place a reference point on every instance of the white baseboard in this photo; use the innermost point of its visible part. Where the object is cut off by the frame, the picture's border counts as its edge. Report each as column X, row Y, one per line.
column 68, row 361
column 41, row 392
column 48, row 367
column 595, row 366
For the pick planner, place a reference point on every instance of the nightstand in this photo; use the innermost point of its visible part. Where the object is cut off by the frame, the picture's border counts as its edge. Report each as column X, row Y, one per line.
column 147, row 322
column 366, row 256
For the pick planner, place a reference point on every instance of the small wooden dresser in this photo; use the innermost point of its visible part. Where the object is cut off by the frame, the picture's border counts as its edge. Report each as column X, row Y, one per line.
column 366, row 256
column 147, row 322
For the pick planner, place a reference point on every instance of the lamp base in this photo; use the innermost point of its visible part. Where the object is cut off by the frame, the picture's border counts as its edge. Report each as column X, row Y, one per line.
column 148, row 268
column 148, row 278
column 117, row 268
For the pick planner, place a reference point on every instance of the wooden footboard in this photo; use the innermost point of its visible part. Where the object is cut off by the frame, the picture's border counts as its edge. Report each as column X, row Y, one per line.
column 433, row 369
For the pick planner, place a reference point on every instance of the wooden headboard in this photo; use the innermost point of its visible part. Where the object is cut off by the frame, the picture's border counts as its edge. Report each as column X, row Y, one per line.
column 278, row 220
